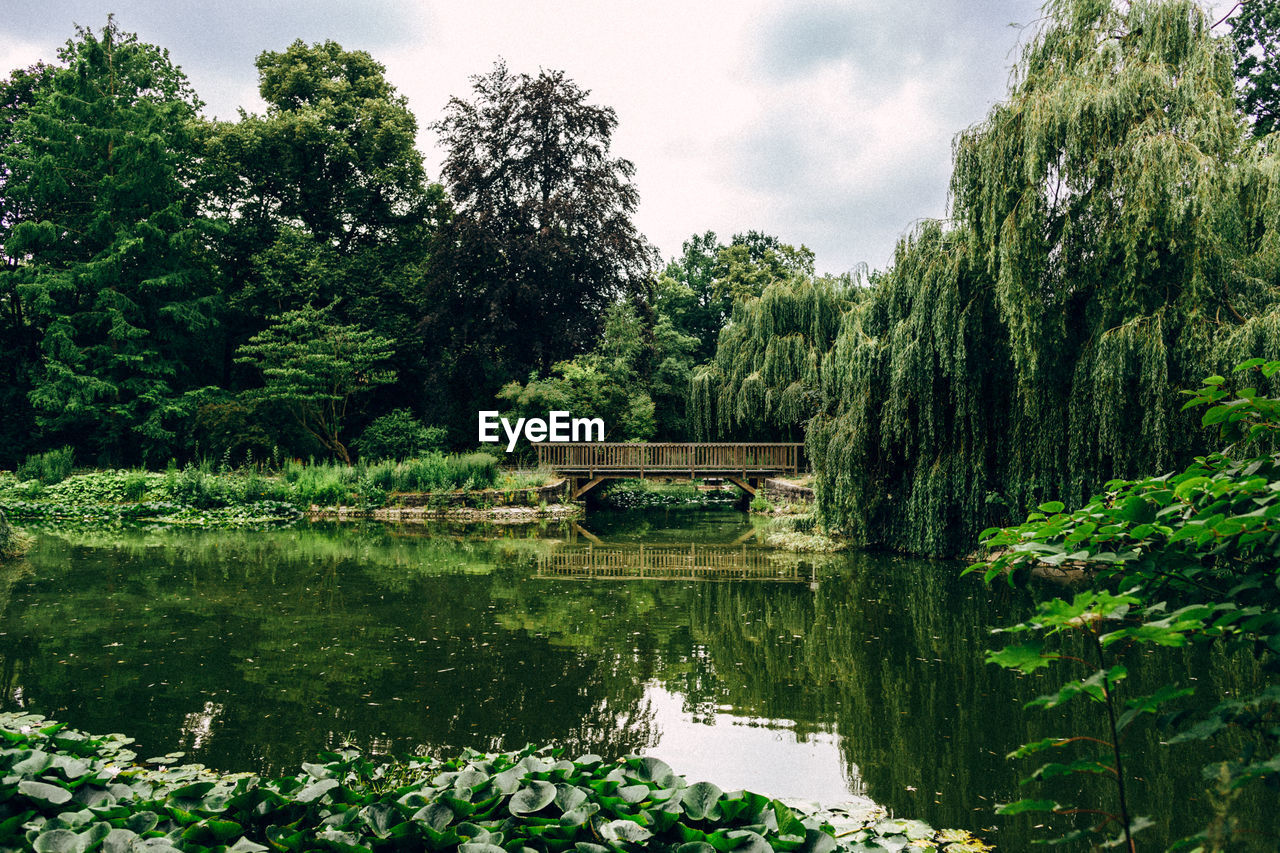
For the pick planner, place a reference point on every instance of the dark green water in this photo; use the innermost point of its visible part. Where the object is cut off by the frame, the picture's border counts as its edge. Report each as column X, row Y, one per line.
column 798, row 677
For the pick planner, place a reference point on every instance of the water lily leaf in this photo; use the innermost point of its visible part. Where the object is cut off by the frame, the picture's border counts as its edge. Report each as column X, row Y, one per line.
column 42, row 792
column 224, row 830
column 588, row 847
column 700, row 801
column 472, row 779
column 142, row 822
column 437, row 816
column 569, row 797
column 816, row 841
column 58, row 841
column 580, row 815
column 36, row 762
column 537, row 795
column 695, row 847
column 749, row 842
column 381, row 818
column 316, row 790
column 244, row 845
column 626, row 830
column 509, row 780
column 120, row 841
column 650, row 769
column 479, row 847
column 633, row 793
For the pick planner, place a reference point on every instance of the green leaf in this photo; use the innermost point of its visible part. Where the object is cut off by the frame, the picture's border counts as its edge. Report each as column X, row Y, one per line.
column 625, row 830
column 1052, row 507
column 316, row 790
column 700, row 801
column 1021, row 806
column 536, row 796
column 1027, row 657
column 42, row 792
column 58, row 841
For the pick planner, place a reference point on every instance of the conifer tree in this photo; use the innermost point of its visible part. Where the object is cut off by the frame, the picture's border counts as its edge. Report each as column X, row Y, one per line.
column 107, row 250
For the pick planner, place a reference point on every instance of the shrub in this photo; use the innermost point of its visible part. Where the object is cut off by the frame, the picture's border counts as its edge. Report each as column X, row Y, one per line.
column 135, row 485
column 398, row 435
column 53, row 466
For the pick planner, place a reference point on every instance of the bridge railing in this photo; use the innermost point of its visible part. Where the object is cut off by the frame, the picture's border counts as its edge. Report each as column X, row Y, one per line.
column 704, row 458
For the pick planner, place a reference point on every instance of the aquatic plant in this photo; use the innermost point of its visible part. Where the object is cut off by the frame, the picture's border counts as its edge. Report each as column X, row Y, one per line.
column 66, row 791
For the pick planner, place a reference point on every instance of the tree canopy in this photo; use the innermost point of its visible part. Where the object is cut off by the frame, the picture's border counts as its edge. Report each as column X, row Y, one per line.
column 109, row 280
column 1113, row 239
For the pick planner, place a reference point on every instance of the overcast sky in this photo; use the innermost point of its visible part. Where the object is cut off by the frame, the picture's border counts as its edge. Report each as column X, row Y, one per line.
column 825, row 122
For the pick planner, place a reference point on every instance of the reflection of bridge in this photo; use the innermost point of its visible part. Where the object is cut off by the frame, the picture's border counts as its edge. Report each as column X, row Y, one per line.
column 741, row 464
column 673, row 562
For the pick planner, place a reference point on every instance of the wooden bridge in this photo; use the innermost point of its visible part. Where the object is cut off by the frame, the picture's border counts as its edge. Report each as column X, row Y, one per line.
column 589, row 464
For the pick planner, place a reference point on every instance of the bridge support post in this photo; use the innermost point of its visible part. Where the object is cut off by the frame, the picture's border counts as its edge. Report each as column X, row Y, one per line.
column 586, row 487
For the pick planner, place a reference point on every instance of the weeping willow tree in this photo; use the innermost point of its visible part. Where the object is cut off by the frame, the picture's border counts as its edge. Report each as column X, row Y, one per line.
column 1113, row 239
column 763, row 382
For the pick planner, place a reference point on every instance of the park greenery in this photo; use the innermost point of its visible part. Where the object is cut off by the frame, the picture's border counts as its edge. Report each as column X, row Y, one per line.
column 204, row 493
column 292, row 284
column 1171, row 560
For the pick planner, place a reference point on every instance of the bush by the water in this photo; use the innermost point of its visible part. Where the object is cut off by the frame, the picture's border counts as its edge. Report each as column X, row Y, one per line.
column 645, row 494
column 12, row 543
column 53, row 466
column 199, row 492
column 64, row 791
column 398, row 435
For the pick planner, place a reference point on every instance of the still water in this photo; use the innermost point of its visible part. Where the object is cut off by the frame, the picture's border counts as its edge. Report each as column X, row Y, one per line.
column 810, row 677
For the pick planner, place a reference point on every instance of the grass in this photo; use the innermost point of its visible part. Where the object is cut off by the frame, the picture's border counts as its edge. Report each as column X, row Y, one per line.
column 250, row 492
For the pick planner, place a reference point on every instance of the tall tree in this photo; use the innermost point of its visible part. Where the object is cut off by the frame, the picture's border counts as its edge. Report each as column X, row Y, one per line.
column 1255, row 29
column 1113, row 239
column 326, row 198
column 107, row 250
column 19, row 346
column 542, row 242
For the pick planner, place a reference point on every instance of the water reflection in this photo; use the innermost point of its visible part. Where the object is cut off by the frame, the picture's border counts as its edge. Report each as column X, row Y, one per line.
column 798, row 676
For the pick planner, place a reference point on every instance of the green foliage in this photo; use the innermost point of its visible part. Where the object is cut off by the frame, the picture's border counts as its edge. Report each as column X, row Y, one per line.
column 765, row 377
column 1113, row 240
column 110, row 283
column 398, row 435
column 437, row 472
column 52, row 466
column 530, row 799
column 13, row 543
column 1172, row 560
column 1255, row 29
column 647, row 494
column 542, row 230
column 313, row 367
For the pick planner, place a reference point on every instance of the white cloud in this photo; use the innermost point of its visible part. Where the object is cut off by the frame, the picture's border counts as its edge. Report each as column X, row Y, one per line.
column 828, row 123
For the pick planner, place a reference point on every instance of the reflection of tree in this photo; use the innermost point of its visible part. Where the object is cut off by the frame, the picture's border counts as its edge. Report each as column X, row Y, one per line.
column 256, row 649
column 299, row 638
column 891, row 650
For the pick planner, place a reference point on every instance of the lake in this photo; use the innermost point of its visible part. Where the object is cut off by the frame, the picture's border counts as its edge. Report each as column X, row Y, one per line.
column 668, row 633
